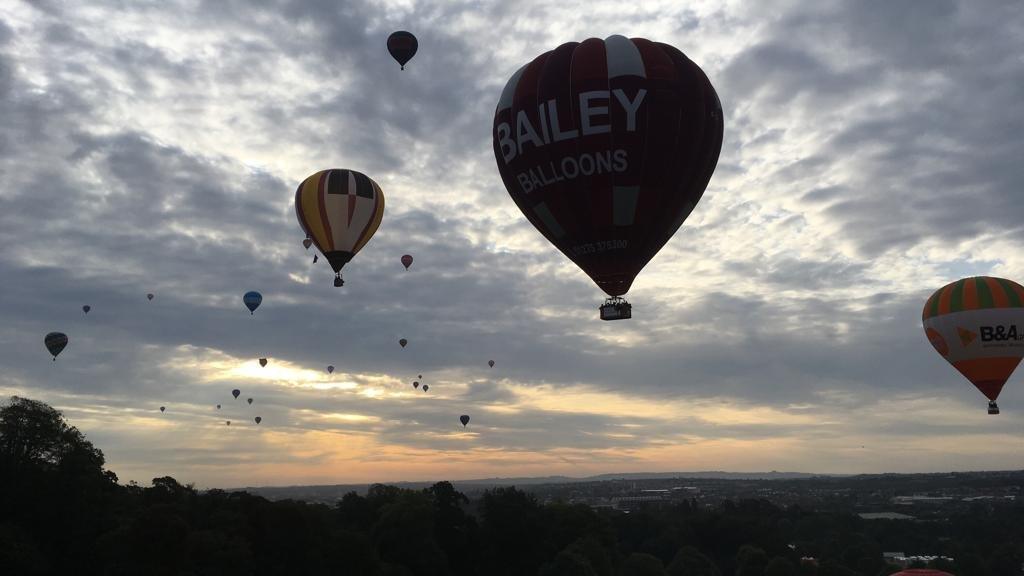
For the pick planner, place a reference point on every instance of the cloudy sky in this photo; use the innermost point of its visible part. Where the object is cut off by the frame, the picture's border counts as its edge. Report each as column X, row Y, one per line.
column 872, row 154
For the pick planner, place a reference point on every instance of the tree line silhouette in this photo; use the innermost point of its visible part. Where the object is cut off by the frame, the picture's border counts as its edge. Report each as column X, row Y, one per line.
column 62, row 513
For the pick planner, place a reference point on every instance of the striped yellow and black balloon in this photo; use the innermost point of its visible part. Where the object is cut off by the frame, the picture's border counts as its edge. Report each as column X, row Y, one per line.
column 339, row 210
column 977, row 325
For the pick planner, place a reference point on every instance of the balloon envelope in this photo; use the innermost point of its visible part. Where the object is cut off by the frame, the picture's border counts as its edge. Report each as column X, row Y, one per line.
column 425, row 387
column 416, row 384
column 161, row 408
column 339, row 210
column 606, row 146
column 86, row 308
column 490, row 363
column 402, row 45
column 407, row 261
column 258, row 419
column 330, row 369
column 307, row 243
column 403, row 342
column 55, row 342
column 149, row 296
column 218, row 406
column 236, row 392
column 464, row 419
column 249, row 401
column 263, row 361
column 977, row 325
column 252, row 300
column 229, row 422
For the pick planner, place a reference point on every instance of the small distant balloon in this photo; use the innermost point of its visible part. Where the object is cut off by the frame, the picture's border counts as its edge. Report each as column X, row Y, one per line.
column 252, row 300
column 258, row 419
column 420, row 376
column 263, row 361
column 403, row 342
column 464, row 419
column 330, row 369
column 229, row 422
column 407, row 261
column 249, row 401
column 55, row 342
column 236, row 392
column 490, row 363
column 86, row 308
column 315, row 258
column 402, row 45
column 149, row 296
column 416, row 384
column 425, row 387
column 162, row 408
column 307, row 243
column 218, row 406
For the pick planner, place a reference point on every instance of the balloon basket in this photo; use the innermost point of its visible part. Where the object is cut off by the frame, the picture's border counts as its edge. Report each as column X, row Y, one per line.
column 993, row 408
column 616, row 308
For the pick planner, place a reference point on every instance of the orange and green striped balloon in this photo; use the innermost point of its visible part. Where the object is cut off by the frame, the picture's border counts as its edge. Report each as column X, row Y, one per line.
column 977, row 325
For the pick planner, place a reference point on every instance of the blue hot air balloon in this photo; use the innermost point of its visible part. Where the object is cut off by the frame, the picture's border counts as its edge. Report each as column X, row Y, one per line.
column 252, row 300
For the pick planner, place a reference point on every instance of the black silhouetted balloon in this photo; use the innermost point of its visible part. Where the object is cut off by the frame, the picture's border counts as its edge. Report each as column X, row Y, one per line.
column 402, row 45
column 258, row 419
column 161, row 408
column 464, row 419
column 55, row 342
column 86, row 308
column 235, row 393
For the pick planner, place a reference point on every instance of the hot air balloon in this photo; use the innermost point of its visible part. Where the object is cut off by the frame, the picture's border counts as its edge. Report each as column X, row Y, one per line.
column 258, row 419
column 235, row 393
column 161, row 408
column 464, row 419
column 425, row 387
column 402, row 342
column 149, row 296
column 339, row 210
column 416, row 384
column 249, row 400
column 330, row 369
column 252, row 300
column 86, row 308
column 977, row 325
column 490, row 363
column 263, row 361
column 606, row 146
column 420, row 376
column 229, row 422
column 307, row 243
column 402, row 45
column 55, row 342
column 315, row 258
column 407, row 261
column 218, row 406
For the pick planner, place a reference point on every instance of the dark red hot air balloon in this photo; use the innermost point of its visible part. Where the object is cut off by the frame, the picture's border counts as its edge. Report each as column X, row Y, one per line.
column 406, row 261
column 402, row 45
column 606, row 146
